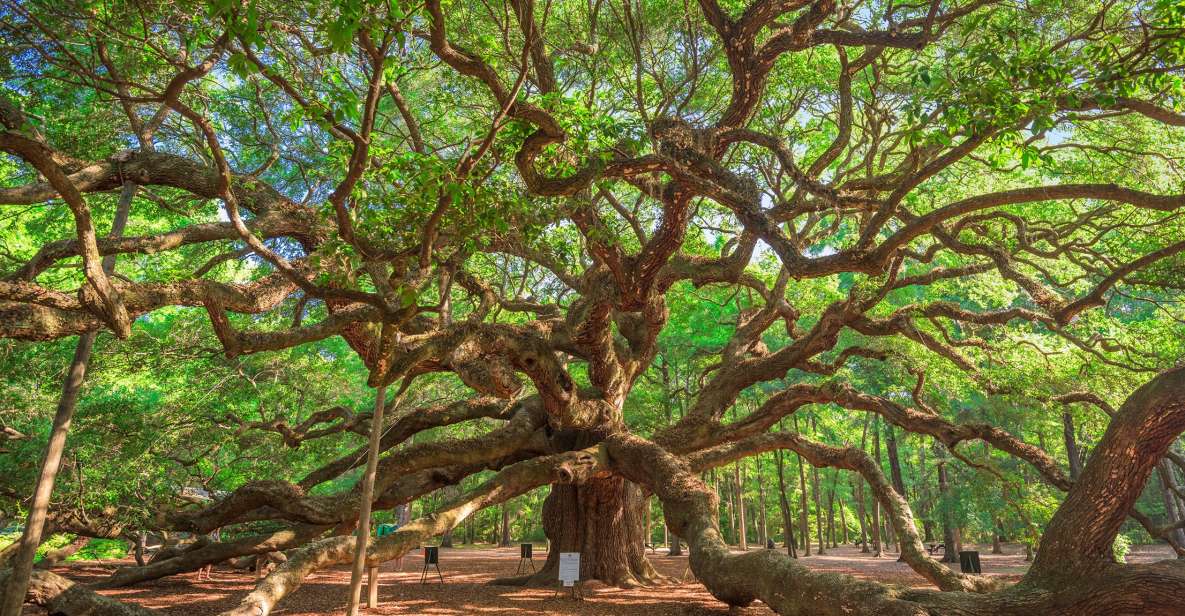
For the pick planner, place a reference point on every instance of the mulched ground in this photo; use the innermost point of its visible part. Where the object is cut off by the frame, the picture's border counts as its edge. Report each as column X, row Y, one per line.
column 465, row 591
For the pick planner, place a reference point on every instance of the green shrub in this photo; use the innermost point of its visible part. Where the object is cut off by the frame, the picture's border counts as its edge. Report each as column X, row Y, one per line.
column 102, row 549
column 1121, row 547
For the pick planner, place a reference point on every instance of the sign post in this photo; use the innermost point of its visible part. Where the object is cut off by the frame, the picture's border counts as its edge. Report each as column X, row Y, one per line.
column 526, row 556
column 969, row 562
column 569, row 573
column 431, row 558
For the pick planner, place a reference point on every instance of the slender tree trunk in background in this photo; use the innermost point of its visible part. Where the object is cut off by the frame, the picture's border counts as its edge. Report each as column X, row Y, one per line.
column 675, row 546
column 948, row 524
column 860, row 514
column 1075, row 458
column 890, row 534
column 138, row 551
column 763, row 531
column 22, row 561
column 730, row 505
column 877, row 551
column 831, row 516
column 996, row 548
column 1171, row 507
column 818, row 509
column 738, row 478
column 784, row 505
column 843, row 522
column 449, row 493
column 648, row 537
column 372, row 462
column 804, row 527
column 504, row 537
column 925, row 502
column 1001, row 537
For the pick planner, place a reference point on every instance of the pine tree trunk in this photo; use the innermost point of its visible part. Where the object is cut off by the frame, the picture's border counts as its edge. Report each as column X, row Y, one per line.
column 784, row 505
column 804, row 529
column 843, row 522
column 877, row 552
column 504, row 537
column 860, row 515
column 738, row 479
column 831, row 516
column 818, row 509
column 948, row 524
column 763, row 532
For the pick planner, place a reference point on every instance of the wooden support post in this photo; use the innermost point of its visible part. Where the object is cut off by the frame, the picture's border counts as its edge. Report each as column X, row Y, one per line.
column 372, row 462
column 372, row 585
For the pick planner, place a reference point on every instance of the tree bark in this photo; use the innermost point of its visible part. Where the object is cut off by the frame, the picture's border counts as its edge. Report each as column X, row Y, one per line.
column 603, row 520
column 1080, row 534
column 61, row 597
column 22, row 561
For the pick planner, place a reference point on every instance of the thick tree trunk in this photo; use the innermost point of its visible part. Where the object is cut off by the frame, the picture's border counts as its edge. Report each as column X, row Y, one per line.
column 61, row 597
column 603, row 520
column 1073, row 574
column 22, row 561
column 1080, row 534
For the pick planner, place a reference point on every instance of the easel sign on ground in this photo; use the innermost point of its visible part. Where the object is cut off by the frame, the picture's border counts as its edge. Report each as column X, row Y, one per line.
column 569, row 574
column 431, row 558
column 526, row 557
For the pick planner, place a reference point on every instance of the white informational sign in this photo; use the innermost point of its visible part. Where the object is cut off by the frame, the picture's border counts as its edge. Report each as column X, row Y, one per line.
column 569, row 568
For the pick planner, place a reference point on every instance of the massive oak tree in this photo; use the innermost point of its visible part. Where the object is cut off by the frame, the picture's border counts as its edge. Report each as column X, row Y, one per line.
column 531, row 198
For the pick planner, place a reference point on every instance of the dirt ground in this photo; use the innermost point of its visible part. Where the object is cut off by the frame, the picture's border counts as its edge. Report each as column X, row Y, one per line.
column 465, row 591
